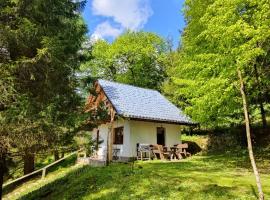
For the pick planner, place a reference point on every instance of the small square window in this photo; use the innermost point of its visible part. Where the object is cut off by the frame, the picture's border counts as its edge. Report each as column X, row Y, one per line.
column 118, row 135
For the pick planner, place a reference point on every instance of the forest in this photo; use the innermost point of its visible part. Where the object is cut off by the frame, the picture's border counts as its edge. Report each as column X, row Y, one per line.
column 219, row 75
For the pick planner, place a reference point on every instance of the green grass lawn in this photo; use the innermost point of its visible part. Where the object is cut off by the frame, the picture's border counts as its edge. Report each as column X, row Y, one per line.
column 200, row 177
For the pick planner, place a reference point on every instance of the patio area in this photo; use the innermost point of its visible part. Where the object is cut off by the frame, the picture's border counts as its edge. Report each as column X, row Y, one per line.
column 156, row 151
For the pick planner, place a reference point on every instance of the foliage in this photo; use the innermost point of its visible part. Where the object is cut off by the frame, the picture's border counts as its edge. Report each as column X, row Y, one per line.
column 220, row 37
column 85, row 142
column 39, row 48
column 136, row 58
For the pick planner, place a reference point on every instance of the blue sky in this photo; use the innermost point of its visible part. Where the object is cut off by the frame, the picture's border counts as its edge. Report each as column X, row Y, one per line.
column 109, row 18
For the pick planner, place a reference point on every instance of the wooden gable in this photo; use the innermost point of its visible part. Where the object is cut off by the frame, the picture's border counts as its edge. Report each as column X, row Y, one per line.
column 94, row 101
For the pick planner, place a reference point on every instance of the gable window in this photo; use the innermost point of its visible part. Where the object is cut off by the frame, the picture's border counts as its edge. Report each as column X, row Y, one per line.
column 118, row 135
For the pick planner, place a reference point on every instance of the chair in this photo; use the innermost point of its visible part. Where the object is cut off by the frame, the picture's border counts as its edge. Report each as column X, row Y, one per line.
column 158, row 150
column 182, row 150
column 115, row 153
column 143, row 152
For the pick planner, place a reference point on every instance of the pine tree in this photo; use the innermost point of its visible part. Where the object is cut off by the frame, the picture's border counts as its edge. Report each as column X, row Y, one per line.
column 39, row 42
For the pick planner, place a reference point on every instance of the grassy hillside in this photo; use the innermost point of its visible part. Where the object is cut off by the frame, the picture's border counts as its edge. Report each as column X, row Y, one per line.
column 200, row 177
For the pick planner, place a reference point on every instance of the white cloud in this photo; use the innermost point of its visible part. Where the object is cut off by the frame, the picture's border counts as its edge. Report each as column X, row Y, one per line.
column 105, row 29
column 130, row 14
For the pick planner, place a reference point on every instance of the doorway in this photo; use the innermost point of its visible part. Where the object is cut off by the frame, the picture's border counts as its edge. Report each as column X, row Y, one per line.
column 161, row 136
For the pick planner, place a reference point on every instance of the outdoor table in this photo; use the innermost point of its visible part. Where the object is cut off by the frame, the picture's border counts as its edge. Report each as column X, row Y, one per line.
column 173, row 152
column 165, row 149
column 182, row 149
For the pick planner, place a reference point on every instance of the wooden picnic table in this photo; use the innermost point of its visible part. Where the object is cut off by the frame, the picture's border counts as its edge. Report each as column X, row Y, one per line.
column 173, row 153
column 181, row 149
column 165, row 148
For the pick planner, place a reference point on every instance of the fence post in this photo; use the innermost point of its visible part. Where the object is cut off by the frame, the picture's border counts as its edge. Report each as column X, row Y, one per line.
column 43, row 173
column 43, row 170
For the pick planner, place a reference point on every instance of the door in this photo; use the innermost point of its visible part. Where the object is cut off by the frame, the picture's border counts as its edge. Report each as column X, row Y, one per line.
column 161, row 136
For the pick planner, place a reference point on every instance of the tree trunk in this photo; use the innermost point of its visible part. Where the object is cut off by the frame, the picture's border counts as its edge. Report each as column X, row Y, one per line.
column 3, row 169
column 56, row 155
column 62, row 154
column 110, row 137
column 263, row 115
column 260, row 98
column 133, row 76
column 250, row 150
column 29, row 163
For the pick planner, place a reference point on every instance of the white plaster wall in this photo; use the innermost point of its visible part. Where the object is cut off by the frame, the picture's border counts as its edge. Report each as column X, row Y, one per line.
column 145, row 132
column 125, row 147
column 103, row 134
column 137, row 132
column 103, row 130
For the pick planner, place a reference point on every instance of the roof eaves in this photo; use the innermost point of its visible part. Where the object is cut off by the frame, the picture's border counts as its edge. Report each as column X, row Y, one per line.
column 157, row 119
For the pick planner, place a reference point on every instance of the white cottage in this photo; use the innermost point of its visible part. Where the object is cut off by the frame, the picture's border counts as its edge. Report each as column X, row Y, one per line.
column 140, row 116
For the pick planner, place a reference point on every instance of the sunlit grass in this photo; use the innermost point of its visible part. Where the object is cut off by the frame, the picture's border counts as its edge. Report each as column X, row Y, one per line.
column 200, row 177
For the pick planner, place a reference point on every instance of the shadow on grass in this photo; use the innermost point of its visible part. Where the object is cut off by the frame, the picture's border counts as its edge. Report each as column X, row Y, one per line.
column 254, row 192
column 63, row 164
column 65, row 186
column 215, row 190
column 150, row 180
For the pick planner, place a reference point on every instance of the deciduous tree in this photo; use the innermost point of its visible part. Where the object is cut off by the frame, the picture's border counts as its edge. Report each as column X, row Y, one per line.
column 221, row 45
column 135, row 58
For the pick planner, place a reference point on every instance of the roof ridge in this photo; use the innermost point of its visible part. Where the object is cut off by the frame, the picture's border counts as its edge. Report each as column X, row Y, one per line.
column 128, row 85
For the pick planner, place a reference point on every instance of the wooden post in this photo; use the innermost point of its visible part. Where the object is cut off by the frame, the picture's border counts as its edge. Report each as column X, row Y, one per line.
column 110, row 137
column 42, row 170
column 107, row 153
column 43, row 173
column 111, row 142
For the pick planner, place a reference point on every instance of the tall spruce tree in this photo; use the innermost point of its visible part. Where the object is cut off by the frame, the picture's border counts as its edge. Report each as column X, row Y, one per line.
column 40, row 41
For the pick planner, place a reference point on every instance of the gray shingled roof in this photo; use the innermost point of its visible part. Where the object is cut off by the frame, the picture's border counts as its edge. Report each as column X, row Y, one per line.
column 140, row 103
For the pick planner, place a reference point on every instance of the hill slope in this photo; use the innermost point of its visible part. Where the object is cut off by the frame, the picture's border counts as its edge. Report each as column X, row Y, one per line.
column 199, row 177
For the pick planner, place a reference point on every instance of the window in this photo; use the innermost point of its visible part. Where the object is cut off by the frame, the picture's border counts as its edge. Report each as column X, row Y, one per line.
column 118, row 135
